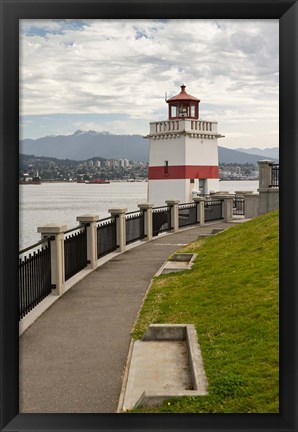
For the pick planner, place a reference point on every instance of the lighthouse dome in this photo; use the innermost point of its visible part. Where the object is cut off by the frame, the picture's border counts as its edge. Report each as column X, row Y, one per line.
column 183, row 105
column 183, row 96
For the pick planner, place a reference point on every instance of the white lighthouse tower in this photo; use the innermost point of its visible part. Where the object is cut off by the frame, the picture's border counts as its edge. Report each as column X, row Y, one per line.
column 183, row 153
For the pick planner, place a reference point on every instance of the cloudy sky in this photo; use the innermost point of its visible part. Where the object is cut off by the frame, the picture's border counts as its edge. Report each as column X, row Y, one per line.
column 112, row 75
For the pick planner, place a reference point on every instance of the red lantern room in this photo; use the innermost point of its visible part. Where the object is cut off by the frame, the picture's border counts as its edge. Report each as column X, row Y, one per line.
column 183, row 105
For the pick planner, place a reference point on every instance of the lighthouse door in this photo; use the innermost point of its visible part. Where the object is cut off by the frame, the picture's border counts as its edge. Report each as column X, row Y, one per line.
column 202, row 186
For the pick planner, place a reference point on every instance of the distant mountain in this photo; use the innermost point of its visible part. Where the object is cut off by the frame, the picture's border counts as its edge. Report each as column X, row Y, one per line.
column 266, row 153
column 226, row 155
column 84, row 145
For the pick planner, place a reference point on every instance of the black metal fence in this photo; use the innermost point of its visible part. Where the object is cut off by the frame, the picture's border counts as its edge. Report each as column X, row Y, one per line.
column 238, row 206
column 106, row 236
column 134, row 226
column 187, row 214
column 35, row 268
column 161, row 217
column 34, row 276
column 213, row 210
column 275, row 176
column 75, row 251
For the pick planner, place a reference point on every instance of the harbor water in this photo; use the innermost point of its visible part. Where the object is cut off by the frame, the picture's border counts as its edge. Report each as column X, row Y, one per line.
column 61, row 203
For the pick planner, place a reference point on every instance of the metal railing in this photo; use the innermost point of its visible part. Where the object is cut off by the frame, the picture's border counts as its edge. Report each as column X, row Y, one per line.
column 213, row 210
column 34, row 276
column 238, row 206
column 35, row 272
column 106, row 236
column 187, row 214
column 161, row 219
column 275, row 176
column 134, row 222
column 75, row 251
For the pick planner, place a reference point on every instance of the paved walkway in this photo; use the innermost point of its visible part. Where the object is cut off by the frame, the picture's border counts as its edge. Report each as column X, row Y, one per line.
column 72, row 359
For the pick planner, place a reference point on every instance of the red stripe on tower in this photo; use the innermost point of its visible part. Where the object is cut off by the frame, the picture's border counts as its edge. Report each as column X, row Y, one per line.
column 183, row 172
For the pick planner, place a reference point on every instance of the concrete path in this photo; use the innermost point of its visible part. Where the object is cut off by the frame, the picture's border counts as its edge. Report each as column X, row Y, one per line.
column 72, row 359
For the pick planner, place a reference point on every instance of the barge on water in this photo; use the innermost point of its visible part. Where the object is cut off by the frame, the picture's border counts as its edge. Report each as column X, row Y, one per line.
column 99, row 181
column 26, row 179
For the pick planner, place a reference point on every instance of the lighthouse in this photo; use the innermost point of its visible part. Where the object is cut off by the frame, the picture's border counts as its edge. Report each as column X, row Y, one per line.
column 183, row 153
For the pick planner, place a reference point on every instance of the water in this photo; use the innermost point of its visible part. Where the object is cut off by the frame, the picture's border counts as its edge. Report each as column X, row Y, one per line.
column 61, row 203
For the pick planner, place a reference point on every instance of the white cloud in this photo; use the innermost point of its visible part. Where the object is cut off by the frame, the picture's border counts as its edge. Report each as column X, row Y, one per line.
column 126, row 66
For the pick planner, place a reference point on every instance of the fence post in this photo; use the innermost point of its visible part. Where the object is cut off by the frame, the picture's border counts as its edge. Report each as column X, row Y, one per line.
column 200, row 202
column 146, row 208
column 227, row 208
column 119, row 214
column 251, row 206
column 56, row 232
column 173, row 204
column 90, row 224
column 265, row 173
column 268, row 196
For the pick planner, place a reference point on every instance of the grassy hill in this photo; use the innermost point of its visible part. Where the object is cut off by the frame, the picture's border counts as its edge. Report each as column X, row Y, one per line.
column 231, row 295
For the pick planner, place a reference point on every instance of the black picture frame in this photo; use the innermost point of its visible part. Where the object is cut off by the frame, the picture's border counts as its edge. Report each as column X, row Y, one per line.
column 287, row 13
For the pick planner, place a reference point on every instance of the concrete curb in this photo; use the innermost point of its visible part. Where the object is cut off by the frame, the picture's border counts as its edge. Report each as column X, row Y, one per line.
column 125, row 377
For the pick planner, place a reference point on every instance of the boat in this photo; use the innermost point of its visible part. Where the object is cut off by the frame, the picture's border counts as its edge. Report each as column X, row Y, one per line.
column 26, row 179
column 98, row 181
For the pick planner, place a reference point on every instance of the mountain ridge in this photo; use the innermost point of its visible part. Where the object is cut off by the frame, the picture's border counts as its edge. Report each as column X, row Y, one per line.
column 82, row 145
column 271, row 152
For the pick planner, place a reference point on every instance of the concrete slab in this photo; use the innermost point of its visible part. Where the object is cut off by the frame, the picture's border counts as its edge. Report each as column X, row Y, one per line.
column 178, row 262
column 166, row 363
column 157, row 366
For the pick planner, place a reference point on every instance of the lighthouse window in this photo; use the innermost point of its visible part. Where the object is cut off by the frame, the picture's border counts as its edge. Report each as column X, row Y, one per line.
column 166, row 167
column 192, row 111
column 183, row 110
column 174, row 111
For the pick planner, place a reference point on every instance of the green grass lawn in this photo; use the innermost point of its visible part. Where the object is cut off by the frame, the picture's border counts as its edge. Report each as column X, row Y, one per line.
column 231, row 296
